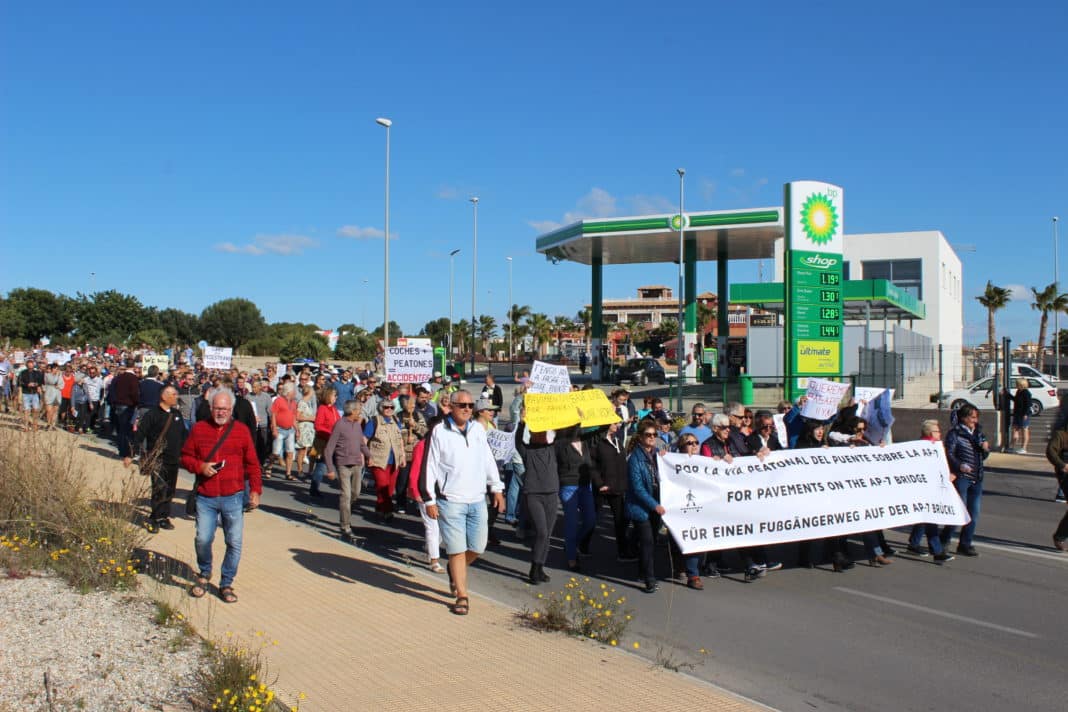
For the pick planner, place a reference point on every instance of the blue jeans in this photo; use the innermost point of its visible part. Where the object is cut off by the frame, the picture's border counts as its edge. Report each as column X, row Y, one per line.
column 123, row 421
column 580, row 516
column 210, row 510
column 318, row 470
column 933, row 542
column 515, row 486
column 971, row 493
column 463, row 526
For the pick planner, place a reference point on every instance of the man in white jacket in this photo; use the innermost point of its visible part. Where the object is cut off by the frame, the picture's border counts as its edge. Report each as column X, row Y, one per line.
column 458, row 468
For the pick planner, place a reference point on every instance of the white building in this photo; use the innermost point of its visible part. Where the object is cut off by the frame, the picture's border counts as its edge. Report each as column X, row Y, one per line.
column 924, row 265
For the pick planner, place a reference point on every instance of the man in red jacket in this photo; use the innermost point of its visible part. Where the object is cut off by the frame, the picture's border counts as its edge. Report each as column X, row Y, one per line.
column 220, row 488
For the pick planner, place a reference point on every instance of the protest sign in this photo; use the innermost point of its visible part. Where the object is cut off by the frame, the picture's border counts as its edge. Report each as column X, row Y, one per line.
column 409, row 364
column 160, row 361
column 59, row 358
column 502, row 443
column 880, row 419
column 549, row 411
column 18, row 357
column 218, row 357
column 780, row 429
column 547, row 378
column 594, row 407
column 823, row 398
column 793, row 495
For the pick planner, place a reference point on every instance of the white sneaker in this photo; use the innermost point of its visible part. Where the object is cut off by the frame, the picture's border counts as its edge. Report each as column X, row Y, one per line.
column 1021, row 451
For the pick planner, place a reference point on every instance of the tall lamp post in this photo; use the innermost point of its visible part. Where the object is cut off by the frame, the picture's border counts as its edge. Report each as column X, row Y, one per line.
column 474, row 283
column 1056, row 314
column 385, row 301
column 452, row 264
column 511, row 323
column 680, row 350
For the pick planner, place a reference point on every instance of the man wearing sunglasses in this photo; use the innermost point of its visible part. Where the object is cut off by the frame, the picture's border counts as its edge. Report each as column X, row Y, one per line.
column 459, row 465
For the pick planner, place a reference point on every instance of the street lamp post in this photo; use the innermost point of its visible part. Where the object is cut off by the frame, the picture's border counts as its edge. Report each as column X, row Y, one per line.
column 681, row 348
column 363, row 307
column 452, row 264
column 511, row 322
column 474, row 283
column 385, row 302
column 1056, row 314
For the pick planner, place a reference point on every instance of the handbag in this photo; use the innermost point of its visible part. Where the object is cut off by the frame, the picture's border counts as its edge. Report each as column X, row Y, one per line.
column 191, row 500
column 149, row 461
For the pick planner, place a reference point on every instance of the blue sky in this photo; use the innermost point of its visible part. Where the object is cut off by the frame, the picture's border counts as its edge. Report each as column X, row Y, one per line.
column 191, row 153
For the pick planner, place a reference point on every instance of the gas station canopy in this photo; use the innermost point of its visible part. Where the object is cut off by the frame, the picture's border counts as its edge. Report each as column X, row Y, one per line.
column 861, row 299
column 741, row 234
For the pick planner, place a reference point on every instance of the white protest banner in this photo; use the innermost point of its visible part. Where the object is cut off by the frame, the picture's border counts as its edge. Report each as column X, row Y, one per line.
column 218, row 357
column 409, row 364
column 502, row 443
column 823, row 398
column 547, row 378
column 793, row 495
column 160, row 361
column 866, row 394
column 59, row 358
column 780, row 429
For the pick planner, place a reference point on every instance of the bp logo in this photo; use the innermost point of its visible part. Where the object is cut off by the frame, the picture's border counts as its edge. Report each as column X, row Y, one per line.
column 678, row 222
column 819, row 219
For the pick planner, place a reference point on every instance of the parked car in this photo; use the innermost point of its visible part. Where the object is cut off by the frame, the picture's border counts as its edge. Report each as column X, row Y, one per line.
column 1016, row 370
column 979, row 394
column 640, row 371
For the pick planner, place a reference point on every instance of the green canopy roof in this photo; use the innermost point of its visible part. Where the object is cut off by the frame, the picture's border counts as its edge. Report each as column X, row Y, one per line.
column 884, row 299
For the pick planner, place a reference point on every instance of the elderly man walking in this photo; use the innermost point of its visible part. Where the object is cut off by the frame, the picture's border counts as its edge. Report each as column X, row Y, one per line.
column 459, row 465
column 221, row 453
column 161, row 431
column 345, row 454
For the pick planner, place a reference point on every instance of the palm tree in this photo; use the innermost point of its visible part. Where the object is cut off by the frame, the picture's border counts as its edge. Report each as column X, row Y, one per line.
column 635, row 333
column 515, row 315
column 561, row 324
column 541, row 330
column 1046, row 302
column 461, row 332
column 487, row 330
column 993, row 298
column 584, row 318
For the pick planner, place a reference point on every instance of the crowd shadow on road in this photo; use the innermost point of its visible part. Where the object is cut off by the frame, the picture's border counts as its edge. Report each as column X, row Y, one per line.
column 351, row 570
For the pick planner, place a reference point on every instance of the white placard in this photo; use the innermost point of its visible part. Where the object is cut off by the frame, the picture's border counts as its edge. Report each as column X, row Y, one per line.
column 780, row 429
column 879, row 416
column 409, row 364
column 160, row 361
column 823, row 398
column 18, row 357
column 793, row 495
column 547, row 378
column 218, row 357
column 59, row 358
column 502, row 443
column 866, row 394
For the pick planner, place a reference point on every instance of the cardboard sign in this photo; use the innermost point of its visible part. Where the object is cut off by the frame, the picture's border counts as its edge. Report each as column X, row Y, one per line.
column 158, row 360
column 554, row 411
column 218, row 357
column 547, row 378
column 409, row 364
column 502, row 443
column 823, row 398
column 594, row 408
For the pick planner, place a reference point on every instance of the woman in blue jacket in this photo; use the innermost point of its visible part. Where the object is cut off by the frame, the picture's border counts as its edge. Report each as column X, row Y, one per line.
column 641, row 500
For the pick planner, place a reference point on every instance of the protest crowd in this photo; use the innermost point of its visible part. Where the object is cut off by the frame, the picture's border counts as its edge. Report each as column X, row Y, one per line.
column 467, row 464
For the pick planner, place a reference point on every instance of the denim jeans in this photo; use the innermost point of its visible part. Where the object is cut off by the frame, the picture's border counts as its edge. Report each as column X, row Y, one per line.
column 933, row 542
column 971, row 493
column 515, row 486
column 464, row 526
column 124, row 428
column 210, row 510
column 580, row 516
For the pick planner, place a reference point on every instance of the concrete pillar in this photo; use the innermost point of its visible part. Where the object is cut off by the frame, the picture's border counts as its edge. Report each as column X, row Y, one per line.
column 596, row 312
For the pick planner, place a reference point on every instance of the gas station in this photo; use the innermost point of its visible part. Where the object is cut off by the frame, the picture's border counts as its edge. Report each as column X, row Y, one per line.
column 814, row 298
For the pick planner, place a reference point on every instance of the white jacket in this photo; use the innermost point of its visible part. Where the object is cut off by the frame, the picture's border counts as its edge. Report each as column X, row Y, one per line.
column 459, row 465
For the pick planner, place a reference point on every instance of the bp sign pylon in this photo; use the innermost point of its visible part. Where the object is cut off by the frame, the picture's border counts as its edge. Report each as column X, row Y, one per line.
column 813, row 283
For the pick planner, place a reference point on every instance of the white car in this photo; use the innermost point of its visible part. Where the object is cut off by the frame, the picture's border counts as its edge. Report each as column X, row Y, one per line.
column 1043, row 395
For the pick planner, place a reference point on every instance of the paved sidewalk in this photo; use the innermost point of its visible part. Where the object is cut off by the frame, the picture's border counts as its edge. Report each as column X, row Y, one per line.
column 357, row 632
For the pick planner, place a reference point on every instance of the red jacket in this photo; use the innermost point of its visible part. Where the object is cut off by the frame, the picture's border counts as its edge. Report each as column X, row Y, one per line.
column 238, row 451
column 325, row 419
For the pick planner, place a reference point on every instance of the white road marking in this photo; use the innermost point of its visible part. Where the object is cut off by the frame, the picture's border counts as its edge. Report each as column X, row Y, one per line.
column 936, row 612
column 1027, row 551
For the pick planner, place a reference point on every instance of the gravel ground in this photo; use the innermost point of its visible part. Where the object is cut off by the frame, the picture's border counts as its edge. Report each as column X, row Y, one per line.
column 102, row 651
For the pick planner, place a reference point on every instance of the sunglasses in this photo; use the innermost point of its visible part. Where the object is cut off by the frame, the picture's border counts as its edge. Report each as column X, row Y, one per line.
column 463, row 405
column 688, row 443
column 650, row 434
column 387, row 407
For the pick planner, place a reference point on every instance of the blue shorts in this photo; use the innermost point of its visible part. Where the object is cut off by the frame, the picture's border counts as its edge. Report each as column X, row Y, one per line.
column 1021, row 421
column 284, row 442
column 464, row 527
column 31, row 401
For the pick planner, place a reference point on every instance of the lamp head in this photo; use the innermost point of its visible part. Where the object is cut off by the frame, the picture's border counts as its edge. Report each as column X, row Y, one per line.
column 454, row 253
column 681, row 172
column 474, row 200
column 383, row 122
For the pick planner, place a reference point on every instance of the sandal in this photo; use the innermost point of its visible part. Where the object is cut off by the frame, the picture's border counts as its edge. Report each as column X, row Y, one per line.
column 462, row 606
column 226, row 593
column 437, row 568
column 199, row 587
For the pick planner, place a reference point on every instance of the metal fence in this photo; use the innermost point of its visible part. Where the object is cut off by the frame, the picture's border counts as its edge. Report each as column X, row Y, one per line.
column 882, row 368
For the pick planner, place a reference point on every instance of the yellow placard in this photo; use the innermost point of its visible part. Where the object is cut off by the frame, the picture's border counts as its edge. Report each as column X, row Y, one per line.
column 594, row 407
column 554, row 411
column 549, row 411
column 818, row 356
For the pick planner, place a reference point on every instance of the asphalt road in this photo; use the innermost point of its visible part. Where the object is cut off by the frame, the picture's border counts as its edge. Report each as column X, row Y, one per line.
column 982, row 634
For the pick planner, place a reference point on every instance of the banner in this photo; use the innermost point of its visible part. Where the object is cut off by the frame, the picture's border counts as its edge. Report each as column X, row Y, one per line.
column 780, row 429
column 547, row 378
column 59, row 358
column 823, row 398
column 502, row 443
column 793, row 495
column 160, row 361
column 218, row 357
column 554, row 411
column 409, row 364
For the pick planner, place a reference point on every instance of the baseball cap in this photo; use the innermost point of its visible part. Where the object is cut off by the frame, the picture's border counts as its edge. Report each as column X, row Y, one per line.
column 437, row 374
column 485, row 404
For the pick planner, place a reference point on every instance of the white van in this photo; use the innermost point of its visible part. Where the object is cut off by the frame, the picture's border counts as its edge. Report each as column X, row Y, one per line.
column 1022, row 370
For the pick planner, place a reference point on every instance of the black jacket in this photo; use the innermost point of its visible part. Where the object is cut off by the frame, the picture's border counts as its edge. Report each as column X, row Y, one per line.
column 574, row 468
column 539, row 459
column 609, row 467
column 243, row 412
column 149, row 429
